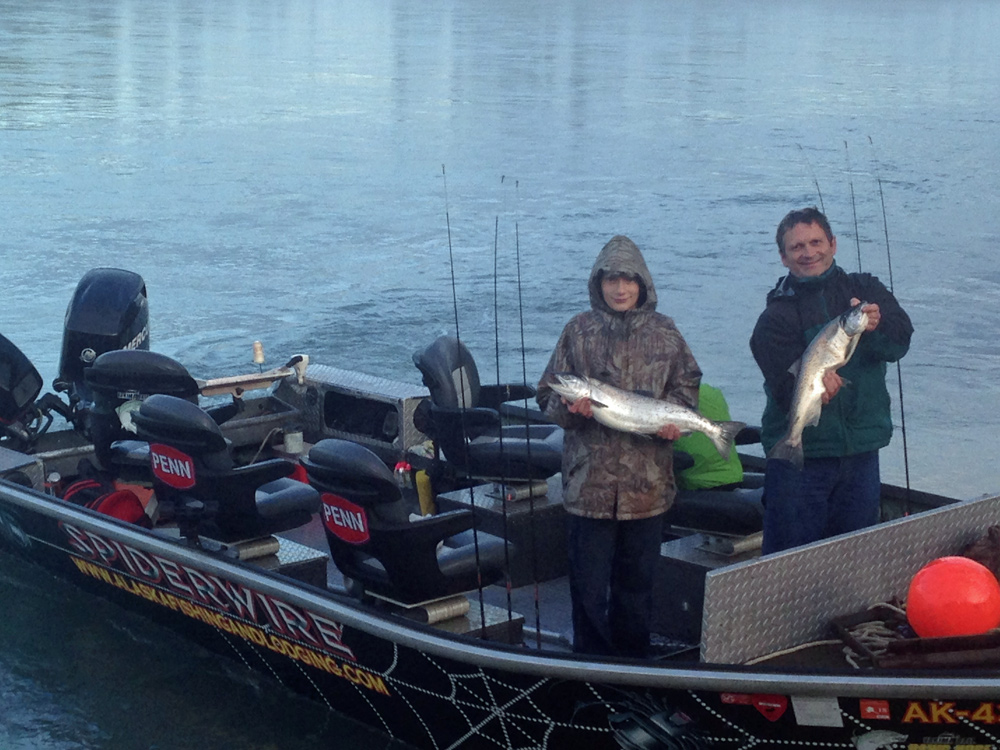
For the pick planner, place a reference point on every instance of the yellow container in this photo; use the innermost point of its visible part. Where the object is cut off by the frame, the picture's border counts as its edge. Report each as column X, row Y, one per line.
column 425, row 493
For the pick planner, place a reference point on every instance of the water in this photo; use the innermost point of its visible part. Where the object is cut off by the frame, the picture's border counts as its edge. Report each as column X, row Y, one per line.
column 288, row 171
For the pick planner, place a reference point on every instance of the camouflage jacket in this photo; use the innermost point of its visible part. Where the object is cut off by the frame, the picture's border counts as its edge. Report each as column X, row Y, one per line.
column 607, row 473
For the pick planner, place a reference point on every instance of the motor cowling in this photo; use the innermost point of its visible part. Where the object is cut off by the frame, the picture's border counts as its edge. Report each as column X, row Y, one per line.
column 109, row 310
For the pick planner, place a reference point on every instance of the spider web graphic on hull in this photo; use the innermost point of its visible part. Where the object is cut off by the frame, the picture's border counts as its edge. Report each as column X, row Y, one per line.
column 493, row 710
column 456, row 705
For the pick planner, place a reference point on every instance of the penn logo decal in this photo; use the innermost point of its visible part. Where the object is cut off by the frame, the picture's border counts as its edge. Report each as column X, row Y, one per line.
column 170, row 466
column 344, row 519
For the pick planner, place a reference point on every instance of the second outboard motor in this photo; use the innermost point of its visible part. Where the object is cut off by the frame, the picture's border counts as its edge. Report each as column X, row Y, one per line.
column 109, row 310
column 20, row 385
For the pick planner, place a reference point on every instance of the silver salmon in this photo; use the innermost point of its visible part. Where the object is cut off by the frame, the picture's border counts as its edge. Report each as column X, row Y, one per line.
column 832, row 347
column 631, row 412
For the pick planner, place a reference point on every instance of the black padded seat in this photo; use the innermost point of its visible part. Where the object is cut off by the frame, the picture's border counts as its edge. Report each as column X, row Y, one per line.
column 196, row 481
column 463, row 418
column 374, row 542
column 737, row 511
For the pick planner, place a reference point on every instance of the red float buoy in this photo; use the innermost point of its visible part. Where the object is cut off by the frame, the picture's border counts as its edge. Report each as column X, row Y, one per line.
column 953, row 596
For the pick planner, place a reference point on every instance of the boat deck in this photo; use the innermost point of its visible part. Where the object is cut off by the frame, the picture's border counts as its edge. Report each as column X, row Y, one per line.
column 541, row 607
column 718, row 607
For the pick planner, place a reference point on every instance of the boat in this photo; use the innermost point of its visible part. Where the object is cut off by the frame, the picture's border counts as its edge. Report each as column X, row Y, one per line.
column 301, row 521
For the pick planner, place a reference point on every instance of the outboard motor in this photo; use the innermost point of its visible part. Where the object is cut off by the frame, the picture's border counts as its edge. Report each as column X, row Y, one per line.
column 109, row 310
column 20, row 385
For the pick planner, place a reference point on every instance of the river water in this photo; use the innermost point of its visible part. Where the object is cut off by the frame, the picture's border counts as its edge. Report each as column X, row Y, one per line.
column 341, row 179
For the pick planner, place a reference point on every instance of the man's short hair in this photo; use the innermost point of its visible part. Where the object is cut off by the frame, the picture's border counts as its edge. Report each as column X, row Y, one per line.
column 810, row 215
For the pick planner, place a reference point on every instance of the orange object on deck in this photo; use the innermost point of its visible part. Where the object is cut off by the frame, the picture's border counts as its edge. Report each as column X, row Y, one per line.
column 953, row 596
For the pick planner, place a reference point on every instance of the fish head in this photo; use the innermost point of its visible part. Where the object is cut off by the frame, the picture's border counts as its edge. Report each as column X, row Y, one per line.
column 571, row 387
column 855, row 320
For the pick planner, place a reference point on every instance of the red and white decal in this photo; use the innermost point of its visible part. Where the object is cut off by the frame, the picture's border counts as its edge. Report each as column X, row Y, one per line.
column 170, row 466
column 344, row 519
column 874, row 709
column 771, row 707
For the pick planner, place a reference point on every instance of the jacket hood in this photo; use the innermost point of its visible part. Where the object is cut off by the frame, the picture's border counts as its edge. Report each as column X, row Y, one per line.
column 621, row 255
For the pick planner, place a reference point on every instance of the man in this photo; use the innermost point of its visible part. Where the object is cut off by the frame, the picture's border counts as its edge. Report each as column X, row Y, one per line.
column 616, row 485
column 837, row 489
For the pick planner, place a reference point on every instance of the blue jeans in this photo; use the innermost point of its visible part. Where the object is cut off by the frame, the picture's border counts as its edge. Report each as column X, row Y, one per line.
column 829, row 496
column 611, row 566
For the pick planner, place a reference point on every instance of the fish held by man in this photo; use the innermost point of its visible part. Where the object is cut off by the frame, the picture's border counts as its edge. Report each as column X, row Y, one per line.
column 829, row 350
column 632, row 412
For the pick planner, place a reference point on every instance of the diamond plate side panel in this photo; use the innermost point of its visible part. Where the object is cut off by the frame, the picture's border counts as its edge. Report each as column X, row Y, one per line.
column 788, row 598
column 321, row 379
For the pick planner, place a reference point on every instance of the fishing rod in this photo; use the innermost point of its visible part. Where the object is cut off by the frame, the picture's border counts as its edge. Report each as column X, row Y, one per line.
column 854, row 208
column 464, row 406
column 451, row 263
column 899, row 370
column 527, row 431
column 496, row 342
column 527, row 427
column 813, row 173
column 885, row 223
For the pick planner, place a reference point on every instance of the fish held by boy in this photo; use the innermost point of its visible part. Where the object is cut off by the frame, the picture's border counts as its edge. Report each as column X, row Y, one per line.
column 633, row 412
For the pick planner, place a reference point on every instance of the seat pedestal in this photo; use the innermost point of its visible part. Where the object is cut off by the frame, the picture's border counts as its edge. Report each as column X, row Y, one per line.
column 537, row 524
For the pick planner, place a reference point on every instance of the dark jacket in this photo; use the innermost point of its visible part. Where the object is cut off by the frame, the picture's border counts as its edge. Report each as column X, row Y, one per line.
column 607, row 473
column 858, row 419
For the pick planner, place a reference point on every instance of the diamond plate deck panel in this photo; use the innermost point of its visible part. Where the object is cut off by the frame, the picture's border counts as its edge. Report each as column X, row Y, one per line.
column 788, row 598
column 363, row 383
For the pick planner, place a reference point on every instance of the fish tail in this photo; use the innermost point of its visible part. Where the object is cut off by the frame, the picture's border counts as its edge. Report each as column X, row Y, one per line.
column 723, row 442
column 786, row 450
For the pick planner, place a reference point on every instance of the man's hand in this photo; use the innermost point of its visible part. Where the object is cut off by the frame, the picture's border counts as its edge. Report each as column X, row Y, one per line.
column 832, row 382
column 669, row 432
column 874, row 315
column 581, row 406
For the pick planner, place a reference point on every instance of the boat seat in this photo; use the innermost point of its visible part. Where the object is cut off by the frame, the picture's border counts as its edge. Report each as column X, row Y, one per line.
column 116, row 378
column 198, row 485
column 374, row 542
column 736, row 511
column 463, row 419
column 127, row 459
